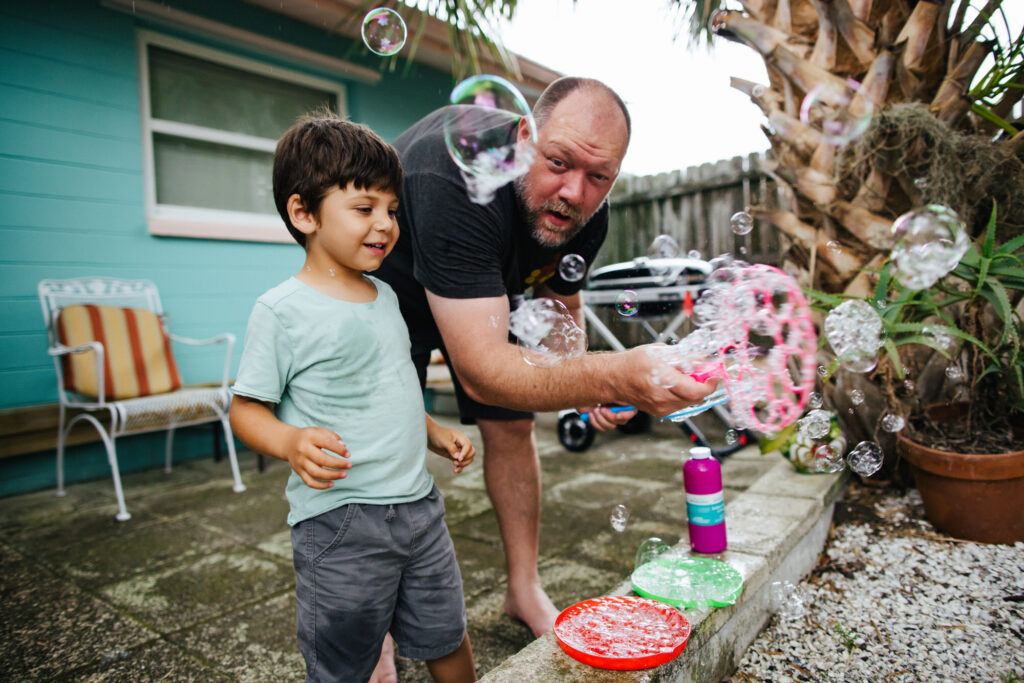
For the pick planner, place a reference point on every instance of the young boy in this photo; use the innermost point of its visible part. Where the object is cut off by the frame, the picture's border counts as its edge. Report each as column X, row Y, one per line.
column 327, row 354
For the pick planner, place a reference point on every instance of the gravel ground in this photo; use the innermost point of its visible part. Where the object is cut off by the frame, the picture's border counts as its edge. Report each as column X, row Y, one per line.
column 893, row 600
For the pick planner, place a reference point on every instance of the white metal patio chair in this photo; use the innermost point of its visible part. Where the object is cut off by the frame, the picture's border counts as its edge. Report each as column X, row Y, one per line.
column 131, row 381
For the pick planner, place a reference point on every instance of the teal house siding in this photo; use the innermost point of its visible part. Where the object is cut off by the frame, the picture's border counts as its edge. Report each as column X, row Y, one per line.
column 72, row 194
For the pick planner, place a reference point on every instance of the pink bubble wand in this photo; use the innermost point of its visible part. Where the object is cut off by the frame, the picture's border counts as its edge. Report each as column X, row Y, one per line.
column 755, row 334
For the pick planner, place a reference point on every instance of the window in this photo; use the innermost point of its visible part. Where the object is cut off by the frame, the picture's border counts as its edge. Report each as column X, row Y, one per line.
column 210, row 123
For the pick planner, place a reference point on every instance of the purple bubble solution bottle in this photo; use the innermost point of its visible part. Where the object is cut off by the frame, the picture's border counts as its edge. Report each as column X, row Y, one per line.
column 705, row 501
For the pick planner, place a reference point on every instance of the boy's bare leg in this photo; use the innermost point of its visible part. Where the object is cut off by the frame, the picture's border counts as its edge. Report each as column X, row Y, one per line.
column 512, row 476
column 385, row 671
column 456, row 667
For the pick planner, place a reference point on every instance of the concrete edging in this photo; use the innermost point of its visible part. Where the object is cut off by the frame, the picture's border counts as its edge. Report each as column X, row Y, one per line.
column 777, row 528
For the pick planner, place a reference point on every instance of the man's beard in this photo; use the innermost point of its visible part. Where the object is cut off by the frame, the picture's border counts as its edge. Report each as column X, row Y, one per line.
column 541, row 234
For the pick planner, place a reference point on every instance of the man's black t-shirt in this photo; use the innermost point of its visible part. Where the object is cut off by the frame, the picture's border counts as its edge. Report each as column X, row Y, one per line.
column 461, row 250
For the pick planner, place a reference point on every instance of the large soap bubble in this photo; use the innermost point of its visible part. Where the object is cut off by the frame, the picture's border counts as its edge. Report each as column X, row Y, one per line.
column 929, row 243
column 481, row 132
column 854, row 330
column 384, row 31
column 834, row 109
column 547, row 332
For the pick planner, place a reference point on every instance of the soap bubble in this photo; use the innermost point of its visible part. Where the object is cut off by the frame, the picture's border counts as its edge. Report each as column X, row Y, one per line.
column 954, row 373
column 828, row 457
column 816, row 424
column 663, row 246
column 921, row 183
column 835, row 247
column 628, row 303
column 785, row 601
column 731, row 436
column 383, row 31
column 742, row 222
column 866, row 458
column 940, row 337
column 856, row 397
column 891, row 422
column 834, row 109
column 822, row 371
column 649, row 550
column 854, row 331
column 814, row 401
column 929, row 244
column 694, row 254
column 572, row 268
column 481, row 132
column 619, row 517
column 547, row 332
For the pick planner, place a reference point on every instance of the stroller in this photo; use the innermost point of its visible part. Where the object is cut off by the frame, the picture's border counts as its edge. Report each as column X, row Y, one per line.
column 666, row 290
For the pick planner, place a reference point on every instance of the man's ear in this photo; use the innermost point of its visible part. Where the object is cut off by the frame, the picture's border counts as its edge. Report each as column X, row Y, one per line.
column 304, row 221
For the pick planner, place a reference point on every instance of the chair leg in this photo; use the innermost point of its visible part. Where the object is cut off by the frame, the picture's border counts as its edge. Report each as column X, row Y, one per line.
column 168, row 449
column 109, row 444
column 229, row 438
column 60, row 451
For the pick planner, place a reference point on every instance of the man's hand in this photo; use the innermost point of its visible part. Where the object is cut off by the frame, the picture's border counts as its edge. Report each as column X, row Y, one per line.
column 656, row 387
column 317, row 468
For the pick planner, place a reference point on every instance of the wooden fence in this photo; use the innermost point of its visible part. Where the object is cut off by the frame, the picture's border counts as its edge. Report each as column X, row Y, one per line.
column 694, row 207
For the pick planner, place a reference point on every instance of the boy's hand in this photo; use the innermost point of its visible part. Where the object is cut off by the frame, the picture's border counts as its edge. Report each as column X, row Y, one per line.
column 450, row 443
column 317, row 469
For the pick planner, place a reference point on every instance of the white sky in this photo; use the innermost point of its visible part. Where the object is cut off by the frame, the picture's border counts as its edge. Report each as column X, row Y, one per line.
column 684, row 112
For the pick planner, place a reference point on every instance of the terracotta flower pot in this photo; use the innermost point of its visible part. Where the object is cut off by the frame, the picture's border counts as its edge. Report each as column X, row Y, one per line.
column 974, row 496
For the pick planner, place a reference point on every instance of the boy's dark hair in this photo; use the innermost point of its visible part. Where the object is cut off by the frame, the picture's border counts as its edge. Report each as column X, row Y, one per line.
column 323, row 151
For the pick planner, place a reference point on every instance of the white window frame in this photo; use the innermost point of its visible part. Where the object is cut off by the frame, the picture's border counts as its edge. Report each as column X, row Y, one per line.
column 190, row 221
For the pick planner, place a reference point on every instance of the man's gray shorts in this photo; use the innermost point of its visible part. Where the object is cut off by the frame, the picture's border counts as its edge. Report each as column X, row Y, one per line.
column 363, row 570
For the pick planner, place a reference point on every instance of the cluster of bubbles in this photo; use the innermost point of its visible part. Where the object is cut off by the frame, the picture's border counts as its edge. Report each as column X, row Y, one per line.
column 619, row 517
column 547, row 332
column 818, row 445
column 836, row 109
column 816, row 424
column 614, row 627
column 754, row 332
column 929, row 243
column 384, row 31
column 854, row 331
column 483, row 131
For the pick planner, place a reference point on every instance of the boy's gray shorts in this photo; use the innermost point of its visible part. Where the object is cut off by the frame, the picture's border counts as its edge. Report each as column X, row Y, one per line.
column 363, row 570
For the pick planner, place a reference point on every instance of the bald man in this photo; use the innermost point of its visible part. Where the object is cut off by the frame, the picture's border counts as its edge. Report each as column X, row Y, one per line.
column 459, row 268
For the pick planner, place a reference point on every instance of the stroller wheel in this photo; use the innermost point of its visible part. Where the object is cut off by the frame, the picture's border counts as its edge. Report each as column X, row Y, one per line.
column 639, row 424
column 575, row 434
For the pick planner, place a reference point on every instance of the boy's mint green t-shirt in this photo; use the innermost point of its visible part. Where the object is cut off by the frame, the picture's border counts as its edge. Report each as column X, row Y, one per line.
column 346, row 367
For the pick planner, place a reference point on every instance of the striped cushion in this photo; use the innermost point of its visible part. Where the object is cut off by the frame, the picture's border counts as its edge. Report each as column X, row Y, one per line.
column 137, row 353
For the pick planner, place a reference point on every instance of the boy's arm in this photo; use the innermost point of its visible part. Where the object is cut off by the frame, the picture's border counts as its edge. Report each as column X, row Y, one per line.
column 256, row 425
column 450, row 443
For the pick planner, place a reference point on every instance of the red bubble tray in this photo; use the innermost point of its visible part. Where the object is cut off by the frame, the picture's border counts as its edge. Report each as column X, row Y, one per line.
column 622, row 632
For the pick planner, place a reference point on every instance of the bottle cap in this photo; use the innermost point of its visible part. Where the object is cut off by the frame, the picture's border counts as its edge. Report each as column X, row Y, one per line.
column 700, row 452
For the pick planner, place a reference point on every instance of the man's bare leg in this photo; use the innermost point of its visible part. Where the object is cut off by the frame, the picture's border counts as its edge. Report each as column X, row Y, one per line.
column 512, row 476
column 385, row 671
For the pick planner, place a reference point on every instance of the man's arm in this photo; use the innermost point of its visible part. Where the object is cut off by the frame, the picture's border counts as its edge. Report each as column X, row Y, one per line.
column 475, row 333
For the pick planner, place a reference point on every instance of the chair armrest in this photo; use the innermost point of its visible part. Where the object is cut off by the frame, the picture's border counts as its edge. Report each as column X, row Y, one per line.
column 61, row 350
column 219, row 339
column 226, row 337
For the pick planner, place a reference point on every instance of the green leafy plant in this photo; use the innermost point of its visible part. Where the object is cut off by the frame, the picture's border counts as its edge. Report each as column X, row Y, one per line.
column 968, row 321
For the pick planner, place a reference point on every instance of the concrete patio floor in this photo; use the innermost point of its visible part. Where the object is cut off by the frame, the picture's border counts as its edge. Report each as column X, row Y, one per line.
column 198, row 585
